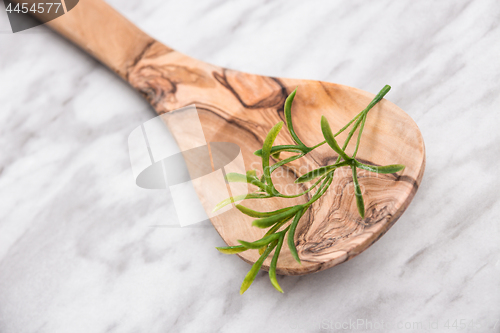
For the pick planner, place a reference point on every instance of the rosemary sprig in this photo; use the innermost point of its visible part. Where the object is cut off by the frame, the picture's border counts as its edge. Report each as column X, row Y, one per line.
column 275, row 220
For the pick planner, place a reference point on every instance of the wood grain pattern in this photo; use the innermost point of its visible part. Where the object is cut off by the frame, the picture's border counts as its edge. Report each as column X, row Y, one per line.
column 240, row 108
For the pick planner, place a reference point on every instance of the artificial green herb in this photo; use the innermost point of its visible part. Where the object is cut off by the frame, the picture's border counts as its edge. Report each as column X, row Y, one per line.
column 275, row 220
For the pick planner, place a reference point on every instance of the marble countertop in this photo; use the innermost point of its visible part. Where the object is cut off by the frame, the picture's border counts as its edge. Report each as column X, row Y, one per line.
column 79, row 250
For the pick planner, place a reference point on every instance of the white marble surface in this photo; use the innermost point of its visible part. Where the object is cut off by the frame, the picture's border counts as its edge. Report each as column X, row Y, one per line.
column 78, row 248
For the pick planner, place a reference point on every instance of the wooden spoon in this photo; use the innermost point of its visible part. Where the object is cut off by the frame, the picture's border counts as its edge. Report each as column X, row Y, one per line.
column 241, row 108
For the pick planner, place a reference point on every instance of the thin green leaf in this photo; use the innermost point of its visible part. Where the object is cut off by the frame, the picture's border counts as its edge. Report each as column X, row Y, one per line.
column 357, row 192
column 279, row 149
column 253, row 213
column 330, row 139
column 234, row 177
column 274, row 262
column 378, row 97
column 250, row 277
column 288, row 118
column 291, row 235
column 259, row 243
column 320, row 172
column 340, row 130
column 232, row 249
column 362, row 116
column 285, row 161
column 236, row 198
column 266, row 151
column 393, row 168
column 252, row 173
column 273, row 229
column 266, row 222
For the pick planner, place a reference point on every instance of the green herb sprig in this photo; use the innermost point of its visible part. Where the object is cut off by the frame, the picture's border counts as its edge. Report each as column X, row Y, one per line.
column 275, row 220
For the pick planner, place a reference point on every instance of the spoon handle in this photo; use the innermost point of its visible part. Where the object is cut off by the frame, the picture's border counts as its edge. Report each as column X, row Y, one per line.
column 104, row 33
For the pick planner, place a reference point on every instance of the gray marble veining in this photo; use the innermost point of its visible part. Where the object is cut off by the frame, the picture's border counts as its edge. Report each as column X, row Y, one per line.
column 78, row 250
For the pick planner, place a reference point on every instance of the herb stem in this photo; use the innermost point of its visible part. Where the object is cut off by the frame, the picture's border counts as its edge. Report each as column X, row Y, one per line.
column 375, row 100
column 321, row 190
column 340, row 131
column 359, row 136
column 302, row 193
